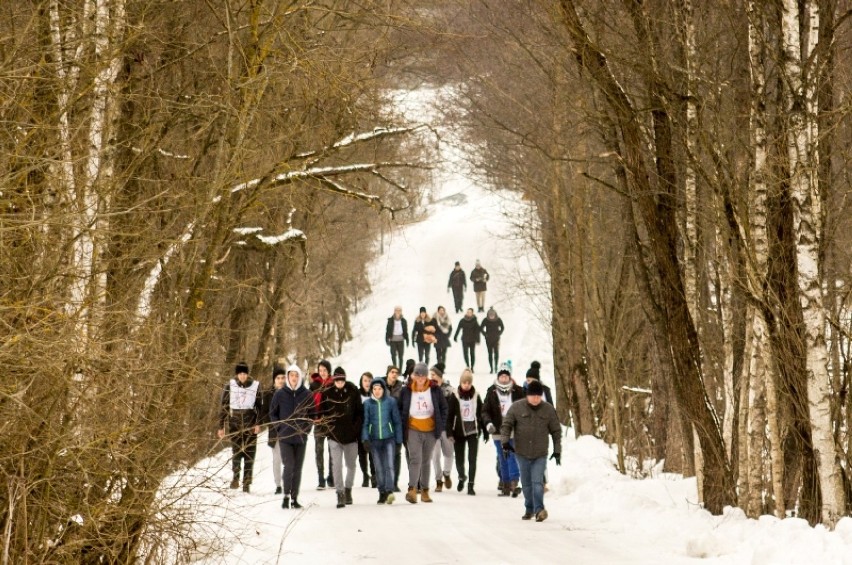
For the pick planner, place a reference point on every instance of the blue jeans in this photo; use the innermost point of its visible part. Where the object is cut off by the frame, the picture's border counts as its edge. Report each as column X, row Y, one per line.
column 383, row 451
column 532, row 482
column 508, row 465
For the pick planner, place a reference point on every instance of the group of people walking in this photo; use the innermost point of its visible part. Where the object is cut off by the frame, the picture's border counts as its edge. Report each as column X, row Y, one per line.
column 436, row 329
column 371, row 422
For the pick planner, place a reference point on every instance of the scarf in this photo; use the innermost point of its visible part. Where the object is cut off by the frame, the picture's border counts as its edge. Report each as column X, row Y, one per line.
column 444, row 322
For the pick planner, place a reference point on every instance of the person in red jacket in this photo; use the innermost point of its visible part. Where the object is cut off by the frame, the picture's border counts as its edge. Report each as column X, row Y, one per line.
column 321, row 381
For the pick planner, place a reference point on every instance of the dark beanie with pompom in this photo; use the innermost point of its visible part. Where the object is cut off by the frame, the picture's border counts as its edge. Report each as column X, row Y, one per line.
column 532, row 372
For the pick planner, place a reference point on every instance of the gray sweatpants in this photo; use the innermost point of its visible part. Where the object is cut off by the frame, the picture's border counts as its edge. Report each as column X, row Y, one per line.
column 420, row 447
column 443, row 450
column 341, row 452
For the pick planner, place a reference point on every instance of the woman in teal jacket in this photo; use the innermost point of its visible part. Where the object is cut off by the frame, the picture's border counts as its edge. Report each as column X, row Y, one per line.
column 381, row 432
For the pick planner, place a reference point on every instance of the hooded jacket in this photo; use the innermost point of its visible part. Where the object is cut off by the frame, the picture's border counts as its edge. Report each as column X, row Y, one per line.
column 381, row 417
column 291, row 411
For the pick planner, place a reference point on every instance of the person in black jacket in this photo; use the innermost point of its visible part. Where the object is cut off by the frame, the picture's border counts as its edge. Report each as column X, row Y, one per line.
column 291, row 414
column 423, row 335
column 279, row 379
column 469, row 328
column 492, row 329
column 396, row 335
column 498, row 399
column 443, row 330
column 464, row 425
column 480, row 277
column 241, row 407
column 342, row 414
column 458, row 283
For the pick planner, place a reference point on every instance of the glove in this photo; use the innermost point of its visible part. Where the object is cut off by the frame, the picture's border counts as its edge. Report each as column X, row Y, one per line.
column 507, row 448
column 557, row 457
column 490, row 428
column 366, row 445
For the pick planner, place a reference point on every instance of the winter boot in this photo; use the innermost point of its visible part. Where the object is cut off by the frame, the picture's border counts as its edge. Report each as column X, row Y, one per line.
column 348, row 495
column 460, row 486
column 341, row 499
column 246, row 486
column 448, row 482
column 411, row 495
column 235, row 482
column 527, row 516
column 390, row 498
column 329, row 480
column 516, row 490
column 366, row 481
column 440, row 486
column 295, row 504
column 424, row 495
column 541, row 516
column 383, row 498
column 507, row 489
column 470, row 490
column 321, row 483
column 286, row 503
column 278, row 490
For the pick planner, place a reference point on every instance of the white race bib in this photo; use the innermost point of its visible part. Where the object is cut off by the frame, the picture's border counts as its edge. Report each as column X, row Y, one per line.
column 505, row 402
column 242, row 398
column 421, row 405
column 468, row 410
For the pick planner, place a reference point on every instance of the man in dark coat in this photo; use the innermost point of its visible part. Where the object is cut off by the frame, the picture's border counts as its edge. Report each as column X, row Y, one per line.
column 241, row 408
column 458, row 284
column 396, row 335
column 291, row 414
column 492, row 329
column 480, row 277
column 531, row 421
column 469, row 328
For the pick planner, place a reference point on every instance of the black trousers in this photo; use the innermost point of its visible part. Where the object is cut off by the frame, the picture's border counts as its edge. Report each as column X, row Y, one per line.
column 423, row 350
column 243, row 449
column 397, row 348
column 441, row 353
column 493, row 355
column 319, row 452
column 458, row 297
column 293, row 458
column 469, row 351
column 471, row 445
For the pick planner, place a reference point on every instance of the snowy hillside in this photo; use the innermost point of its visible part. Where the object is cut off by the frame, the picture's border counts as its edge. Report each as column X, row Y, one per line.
column 596, row 514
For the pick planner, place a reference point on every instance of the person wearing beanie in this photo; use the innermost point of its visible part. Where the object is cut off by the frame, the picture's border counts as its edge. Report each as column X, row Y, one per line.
column 241, row 407
column 464, row 424
column 320, row 382
column 279, row 378
column 531, row 421
column 443, row 330
column 423, row 335
column 394, row 390
column 442, row 455
column 291, row 415
column 498, row 399
column 480, row 277
column 423, row 409
column 492, row 329
column 458, row 284
column 469, row 328
column 396, row 335
column 381, row 432
column 534, row 375
column 365, row 458
column 343, row 413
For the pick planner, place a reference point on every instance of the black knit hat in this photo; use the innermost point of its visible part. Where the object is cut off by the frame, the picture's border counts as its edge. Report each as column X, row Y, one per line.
column 532, row 372
column 534, row 388
column 326, row 364
column 339, row 373
column 278, row 370
column 438, row 369
column 423, row 309
column 242, row 367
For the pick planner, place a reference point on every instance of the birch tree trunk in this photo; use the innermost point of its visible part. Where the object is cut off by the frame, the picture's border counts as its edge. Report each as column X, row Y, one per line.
column 803, row 165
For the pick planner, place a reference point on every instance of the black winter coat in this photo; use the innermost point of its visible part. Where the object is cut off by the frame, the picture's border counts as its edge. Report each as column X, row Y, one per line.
column 420, row 329
column 492, row 329
column 454, row 416
column 491, row 413
column 291, row 414
column 457, row 281
column 479, row 276
column 342, row 412
column 469, row 327
column 389, row 330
